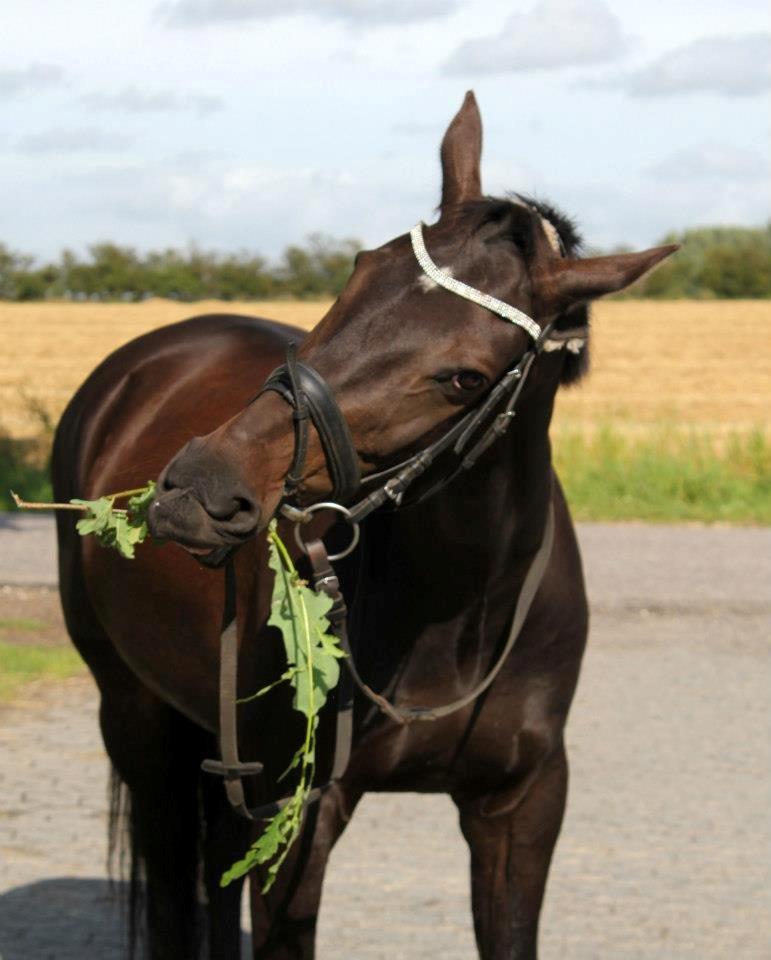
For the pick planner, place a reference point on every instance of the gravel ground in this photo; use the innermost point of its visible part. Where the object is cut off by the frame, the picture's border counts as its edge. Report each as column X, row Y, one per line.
column 664, row 849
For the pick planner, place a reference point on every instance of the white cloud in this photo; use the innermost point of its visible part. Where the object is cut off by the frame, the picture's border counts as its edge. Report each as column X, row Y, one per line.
column 196, row 13
column 713, row 160
column 38, row 76
column 133, row 100
column 641, row 211
column 555, row 33
column 73, row 140
column 734, row 66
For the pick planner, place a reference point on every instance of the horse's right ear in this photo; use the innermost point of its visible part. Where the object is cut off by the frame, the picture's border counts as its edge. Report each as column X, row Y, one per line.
column 461, row 156
column 563, row 283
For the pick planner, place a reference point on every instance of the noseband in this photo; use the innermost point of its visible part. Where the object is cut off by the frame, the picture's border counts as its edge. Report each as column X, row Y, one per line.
column 311, row 399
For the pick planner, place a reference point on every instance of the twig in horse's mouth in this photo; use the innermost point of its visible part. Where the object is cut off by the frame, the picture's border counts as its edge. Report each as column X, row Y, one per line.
column 28, row 505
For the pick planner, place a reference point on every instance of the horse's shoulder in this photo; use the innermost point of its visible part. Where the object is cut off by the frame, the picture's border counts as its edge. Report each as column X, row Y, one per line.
column 168, row 384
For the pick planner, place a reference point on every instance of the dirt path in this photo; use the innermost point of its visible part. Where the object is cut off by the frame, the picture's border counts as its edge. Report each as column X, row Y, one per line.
column 664, row 849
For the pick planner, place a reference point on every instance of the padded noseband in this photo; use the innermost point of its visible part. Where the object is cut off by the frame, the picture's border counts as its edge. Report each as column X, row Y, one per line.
column 310, row 398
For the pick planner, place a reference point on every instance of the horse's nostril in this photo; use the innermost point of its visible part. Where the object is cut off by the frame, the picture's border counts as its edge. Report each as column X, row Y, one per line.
column 235, row 511
column 165, row 481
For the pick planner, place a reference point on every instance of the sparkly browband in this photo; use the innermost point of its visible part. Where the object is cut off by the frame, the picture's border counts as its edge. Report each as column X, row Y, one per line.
column 431, row 270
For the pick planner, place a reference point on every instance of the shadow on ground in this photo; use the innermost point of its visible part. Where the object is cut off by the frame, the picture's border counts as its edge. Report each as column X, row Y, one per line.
column 66, row 919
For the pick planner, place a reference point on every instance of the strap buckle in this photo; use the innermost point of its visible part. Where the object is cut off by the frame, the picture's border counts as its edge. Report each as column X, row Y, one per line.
column 232, row 771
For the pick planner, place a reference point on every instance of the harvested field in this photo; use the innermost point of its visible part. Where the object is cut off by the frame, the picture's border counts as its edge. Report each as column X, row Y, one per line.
column 702, row 363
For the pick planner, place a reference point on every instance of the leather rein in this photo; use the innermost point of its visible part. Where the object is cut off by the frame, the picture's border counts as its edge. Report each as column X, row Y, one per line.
column 313, row 402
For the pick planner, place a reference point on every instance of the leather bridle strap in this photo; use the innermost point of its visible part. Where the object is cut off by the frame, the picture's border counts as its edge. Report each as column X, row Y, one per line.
column 306, row 391
column 457, row 439
column 530, row 585
column 231, row 768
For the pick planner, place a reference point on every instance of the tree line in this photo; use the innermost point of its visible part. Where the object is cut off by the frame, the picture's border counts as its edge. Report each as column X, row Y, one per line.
column 318, row 268
column 714, row 262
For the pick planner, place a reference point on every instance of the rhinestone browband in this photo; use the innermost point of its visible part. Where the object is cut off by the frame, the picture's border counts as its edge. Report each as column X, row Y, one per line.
column 485, row 300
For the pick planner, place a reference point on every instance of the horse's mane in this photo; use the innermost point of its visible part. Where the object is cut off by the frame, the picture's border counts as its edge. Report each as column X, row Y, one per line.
column 492, row 209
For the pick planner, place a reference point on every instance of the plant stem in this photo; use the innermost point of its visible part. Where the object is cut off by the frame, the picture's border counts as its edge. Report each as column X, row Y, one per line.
column 128, row 493
column 284, row 553
column 27, row 505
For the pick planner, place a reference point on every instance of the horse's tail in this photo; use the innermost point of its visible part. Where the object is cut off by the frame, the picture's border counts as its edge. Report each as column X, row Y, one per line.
column 124, row 862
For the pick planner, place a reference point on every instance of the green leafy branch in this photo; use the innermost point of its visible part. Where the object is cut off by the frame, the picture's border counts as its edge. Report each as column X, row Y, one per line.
column 119, row 527
column 312, row 655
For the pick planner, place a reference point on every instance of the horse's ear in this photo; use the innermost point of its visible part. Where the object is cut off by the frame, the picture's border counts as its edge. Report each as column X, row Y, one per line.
column 563, row 283
column 461, row 156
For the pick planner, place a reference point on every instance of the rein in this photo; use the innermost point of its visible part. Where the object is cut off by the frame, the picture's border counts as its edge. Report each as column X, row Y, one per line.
column 312, row 400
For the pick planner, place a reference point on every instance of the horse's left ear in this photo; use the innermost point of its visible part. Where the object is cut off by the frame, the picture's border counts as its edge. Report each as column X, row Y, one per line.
column 461, row 157
column 562, row 283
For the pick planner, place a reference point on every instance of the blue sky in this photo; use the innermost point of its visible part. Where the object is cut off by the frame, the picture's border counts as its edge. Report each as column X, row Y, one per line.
column 231, row 125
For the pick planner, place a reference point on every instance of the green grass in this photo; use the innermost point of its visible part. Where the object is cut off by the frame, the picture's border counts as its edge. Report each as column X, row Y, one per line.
column 20, row 663
column 22, row 624
column 23, row 468
column 666, row 474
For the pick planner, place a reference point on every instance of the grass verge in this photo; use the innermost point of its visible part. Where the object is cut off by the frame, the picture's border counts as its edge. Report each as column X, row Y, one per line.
column 666, row 474
column 24, row 467
column 21, row 663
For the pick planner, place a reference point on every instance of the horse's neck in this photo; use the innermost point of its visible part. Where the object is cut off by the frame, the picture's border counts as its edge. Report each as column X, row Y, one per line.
column 443, row 575
column 504, row 498
column 488, row 519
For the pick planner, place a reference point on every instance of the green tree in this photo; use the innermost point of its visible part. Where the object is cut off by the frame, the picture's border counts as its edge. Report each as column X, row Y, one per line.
column 12, row 265
column 320, row 268
column 713, row 262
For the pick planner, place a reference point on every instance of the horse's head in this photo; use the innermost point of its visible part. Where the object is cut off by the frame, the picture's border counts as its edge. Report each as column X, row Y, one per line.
column 402, row 356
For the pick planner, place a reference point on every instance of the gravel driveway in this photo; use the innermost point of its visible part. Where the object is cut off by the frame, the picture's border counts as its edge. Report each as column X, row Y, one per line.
column 664, row 852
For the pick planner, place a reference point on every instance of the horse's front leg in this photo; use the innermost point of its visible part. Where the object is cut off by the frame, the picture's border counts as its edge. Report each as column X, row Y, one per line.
column 511, row 835
column 284, row 920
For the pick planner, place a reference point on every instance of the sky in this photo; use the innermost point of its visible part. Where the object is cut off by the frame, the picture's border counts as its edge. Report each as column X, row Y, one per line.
column 249, row 124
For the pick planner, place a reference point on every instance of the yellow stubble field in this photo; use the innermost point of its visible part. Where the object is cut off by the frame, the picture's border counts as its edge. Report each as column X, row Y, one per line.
column 706, row 364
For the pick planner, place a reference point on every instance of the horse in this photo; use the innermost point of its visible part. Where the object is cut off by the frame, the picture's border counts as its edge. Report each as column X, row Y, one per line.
column 408, row 354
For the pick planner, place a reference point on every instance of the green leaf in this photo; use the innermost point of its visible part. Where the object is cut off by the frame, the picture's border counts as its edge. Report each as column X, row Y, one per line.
column 312, row 653
column 275, row 841
column 139, row 504
column 99, row 509
column 117, row 528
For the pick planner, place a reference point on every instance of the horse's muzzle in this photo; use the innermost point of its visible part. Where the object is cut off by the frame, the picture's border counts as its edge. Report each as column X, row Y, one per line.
column 200, row 506
column 179, row 516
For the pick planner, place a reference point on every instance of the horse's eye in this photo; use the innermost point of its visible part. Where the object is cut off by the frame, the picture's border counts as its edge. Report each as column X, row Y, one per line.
column 466, row 380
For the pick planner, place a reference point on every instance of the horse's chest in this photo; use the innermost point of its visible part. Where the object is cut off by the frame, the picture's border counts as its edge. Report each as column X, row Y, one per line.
column 481, row 744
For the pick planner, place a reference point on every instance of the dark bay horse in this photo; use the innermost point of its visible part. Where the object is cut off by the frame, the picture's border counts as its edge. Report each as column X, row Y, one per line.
column 432, row 587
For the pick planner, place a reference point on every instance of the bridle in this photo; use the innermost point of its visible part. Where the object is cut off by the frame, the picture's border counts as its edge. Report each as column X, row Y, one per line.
column 312, row 401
